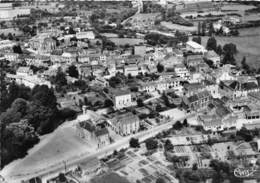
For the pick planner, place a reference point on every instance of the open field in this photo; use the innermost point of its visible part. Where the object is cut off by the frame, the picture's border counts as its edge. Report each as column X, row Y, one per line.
column 247, row 43
column 10, row 30
column 62, row 144
column 240, row 9
column 170, row 25
column 123, row 41
column 110, row 35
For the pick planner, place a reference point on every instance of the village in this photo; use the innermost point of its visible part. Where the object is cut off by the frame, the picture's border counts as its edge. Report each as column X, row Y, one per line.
column 129, row 92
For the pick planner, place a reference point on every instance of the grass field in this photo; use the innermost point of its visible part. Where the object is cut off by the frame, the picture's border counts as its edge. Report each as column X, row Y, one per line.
column 170, row 25
column 123, row 41
column 240, row 9
column 247, row 43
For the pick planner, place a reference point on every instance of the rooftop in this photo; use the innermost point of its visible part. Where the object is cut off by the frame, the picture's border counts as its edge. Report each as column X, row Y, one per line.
column 194, row 44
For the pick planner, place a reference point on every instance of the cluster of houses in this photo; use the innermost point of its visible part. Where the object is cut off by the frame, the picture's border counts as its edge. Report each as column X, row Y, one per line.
column 186, row 79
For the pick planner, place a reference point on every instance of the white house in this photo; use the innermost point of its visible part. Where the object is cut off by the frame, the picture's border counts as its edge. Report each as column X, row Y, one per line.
column 122, row 99
column 182, row 72
column 195, row 47
column 85, row 35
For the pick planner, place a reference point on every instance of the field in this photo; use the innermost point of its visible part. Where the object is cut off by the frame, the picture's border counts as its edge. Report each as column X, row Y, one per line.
column 123, row 41
column 240, row 9
column 110, row 35
column 53, row 149
column 10, row 30
column 247, row 43
column 170, row 25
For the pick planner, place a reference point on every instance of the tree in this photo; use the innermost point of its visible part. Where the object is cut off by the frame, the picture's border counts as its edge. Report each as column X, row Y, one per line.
column 211, row 44
column 160, row 67
column 115, row 81
column 3, row 89
column 43, row 95
column 199, row 28
column 244, row 65
column 245, row 134
column 17, row 49
column 177, row 126
column 134, row 143
column 203, row 28
column 10, row 36
column 71, row 31
column 230, row 48
column 16, row 139
column 140, row 102
column 62, row 178
column 195, row 167
column 219, row 50
column 108, row 103
column 211, row 29
column 60, row 79
column 229, row 59
column 151, row 144
column 98, row 43
column 197, row 39
column 168, row 145
column 27, row 29
column 160, row 180
column 73, row 71
column 185, row 123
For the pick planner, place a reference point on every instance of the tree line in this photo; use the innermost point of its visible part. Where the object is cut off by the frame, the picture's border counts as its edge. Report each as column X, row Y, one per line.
column 24, row 115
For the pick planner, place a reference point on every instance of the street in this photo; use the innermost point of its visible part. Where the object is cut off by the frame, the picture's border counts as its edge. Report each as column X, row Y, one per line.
column 54, row 170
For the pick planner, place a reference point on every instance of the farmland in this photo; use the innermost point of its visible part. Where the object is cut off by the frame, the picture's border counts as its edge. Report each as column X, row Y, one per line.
column 247, row 44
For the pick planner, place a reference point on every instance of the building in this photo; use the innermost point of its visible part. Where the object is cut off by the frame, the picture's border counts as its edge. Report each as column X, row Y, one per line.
column 90, row 166
column 28, row 80
column 195, row 47
column 69, row 57
column 131, row 69
column 198, row 101
column 181, row 71
column 140, row 50
column 6, row 45
column 161, row 85
column 24, row 71
column 102, row 137
column 87, row 130
column 43, row 44
column 233, row 20
column 85, row 35
column 193, row 60
column 141, row 21
column 12, row 57
column 238, row 88
column 210, row 122
column 125, row 124
column 122, row 99
column 212, row 56
column 192, row 89
column 8, row 12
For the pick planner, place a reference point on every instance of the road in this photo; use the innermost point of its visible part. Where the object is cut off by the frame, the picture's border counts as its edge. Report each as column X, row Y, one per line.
column 49, row 172
column 137, row 12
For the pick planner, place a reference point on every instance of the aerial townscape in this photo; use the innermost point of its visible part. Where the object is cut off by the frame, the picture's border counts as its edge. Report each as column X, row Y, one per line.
column 129, row 91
